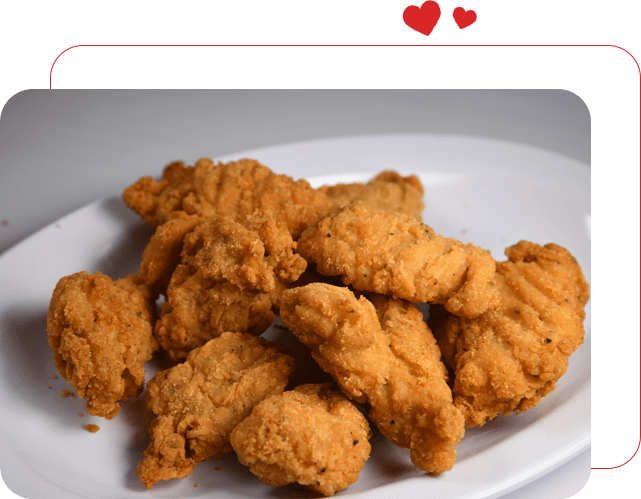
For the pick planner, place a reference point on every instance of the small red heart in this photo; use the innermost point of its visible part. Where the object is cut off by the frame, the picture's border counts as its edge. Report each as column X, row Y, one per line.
column 464, row 17
column 422, row 19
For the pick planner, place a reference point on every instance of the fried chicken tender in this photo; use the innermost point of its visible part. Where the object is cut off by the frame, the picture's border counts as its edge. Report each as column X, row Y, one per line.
column 100, row 332
column 393, row 364
column 227, row 281
column 312, row 436
column 245, row 187
column 162, row 254
column 200, row 402
column 396, row 255
column 507, row 359
column 387, row 191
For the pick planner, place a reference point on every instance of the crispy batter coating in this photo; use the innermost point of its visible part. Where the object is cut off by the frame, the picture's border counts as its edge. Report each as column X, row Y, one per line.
column 162, row 253
column 100, row 332
column 507, row 359
column 229, row 275
column 244, row 187
column 387, row 191
column 312, row 436
column 396, row 255
column 396, row 367
column 200, row 402
column 155, row 200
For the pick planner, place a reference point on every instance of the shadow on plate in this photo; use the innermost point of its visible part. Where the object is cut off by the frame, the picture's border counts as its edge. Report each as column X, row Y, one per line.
column 389, row 462
column 125, row 254
column 136, row 414
column 31, row 373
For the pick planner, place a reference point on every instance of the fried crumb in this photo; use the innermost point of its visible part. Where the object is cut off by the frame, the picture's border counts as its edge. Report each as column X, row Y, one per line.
column 218, row 468
column 67, row 393
column 92, row 428
column 49, row 386
column 81, row 414
column 55, row 376
column 196, row 485
column 58, row 226
column 5, row 222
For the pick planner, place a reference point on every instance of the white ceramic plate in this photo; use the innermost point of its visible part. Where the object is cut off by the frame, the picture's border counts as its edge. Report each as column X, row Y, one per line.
column 487, row 192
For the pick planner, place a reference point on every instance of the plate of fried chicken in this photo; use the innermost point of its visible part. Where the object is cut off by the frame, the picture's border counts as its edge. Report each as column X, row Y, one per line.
column 359, row 316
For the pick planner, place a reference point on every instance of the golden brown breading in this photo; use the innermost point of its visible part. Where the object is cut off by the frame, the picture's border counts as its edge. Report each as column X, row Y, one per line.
column 509, row 358
column 312, row 436
column 387, row 191
column 396, row 255
column 228, row 276
column 155, row 201
column 395, row 368
column 200, row 402
column 162, row 253
column 237, row 188
column 100, row 332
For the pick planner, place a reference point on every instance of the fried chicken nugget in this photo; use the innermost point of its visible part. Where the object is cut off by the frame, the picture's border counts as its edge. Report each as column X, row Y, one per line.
column 245, row 187
column 507, row 359
column 200, row 402
column 226, row 282
column 396, row 367
column 387, row 191
column 394, row 254
column 312, row 436
column 154, row 200
column 162, row 254
column 100, row 332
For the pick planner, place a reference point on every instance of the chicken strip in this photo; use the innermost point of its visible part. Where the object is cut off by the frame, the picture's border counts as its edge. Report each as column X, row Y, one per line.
column 396, row 367
column 200, row 402
column 230, row 271
column 241, row 188
column 387, row 191
column 396, row 255
column 312, row 436
column 507, row 359
column 100, row 332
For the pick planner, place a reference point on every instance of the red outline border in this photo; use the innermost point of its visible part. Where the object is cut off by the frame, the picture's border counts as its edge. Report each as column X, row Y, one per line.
column 56, row 60
column 411, row 45
column 615, row 467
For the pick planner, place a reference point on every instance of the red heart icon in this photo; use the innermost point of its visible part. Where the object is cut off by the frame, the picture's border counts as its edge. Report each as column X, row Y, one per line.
column 424, row 19
column 464, row 17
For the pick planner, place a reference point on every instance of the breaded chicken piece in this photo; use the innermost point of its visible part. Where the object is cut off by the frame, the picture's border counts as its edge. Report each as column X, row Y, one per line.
column 162, row 254
column 226, row 282
column 387, row 191
column 154, row 200
column 394, row 367
column 396, row 255
column 237, row 188
column 100, row 332
column 200, row 402
column 507, row 359
column 311, row 436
